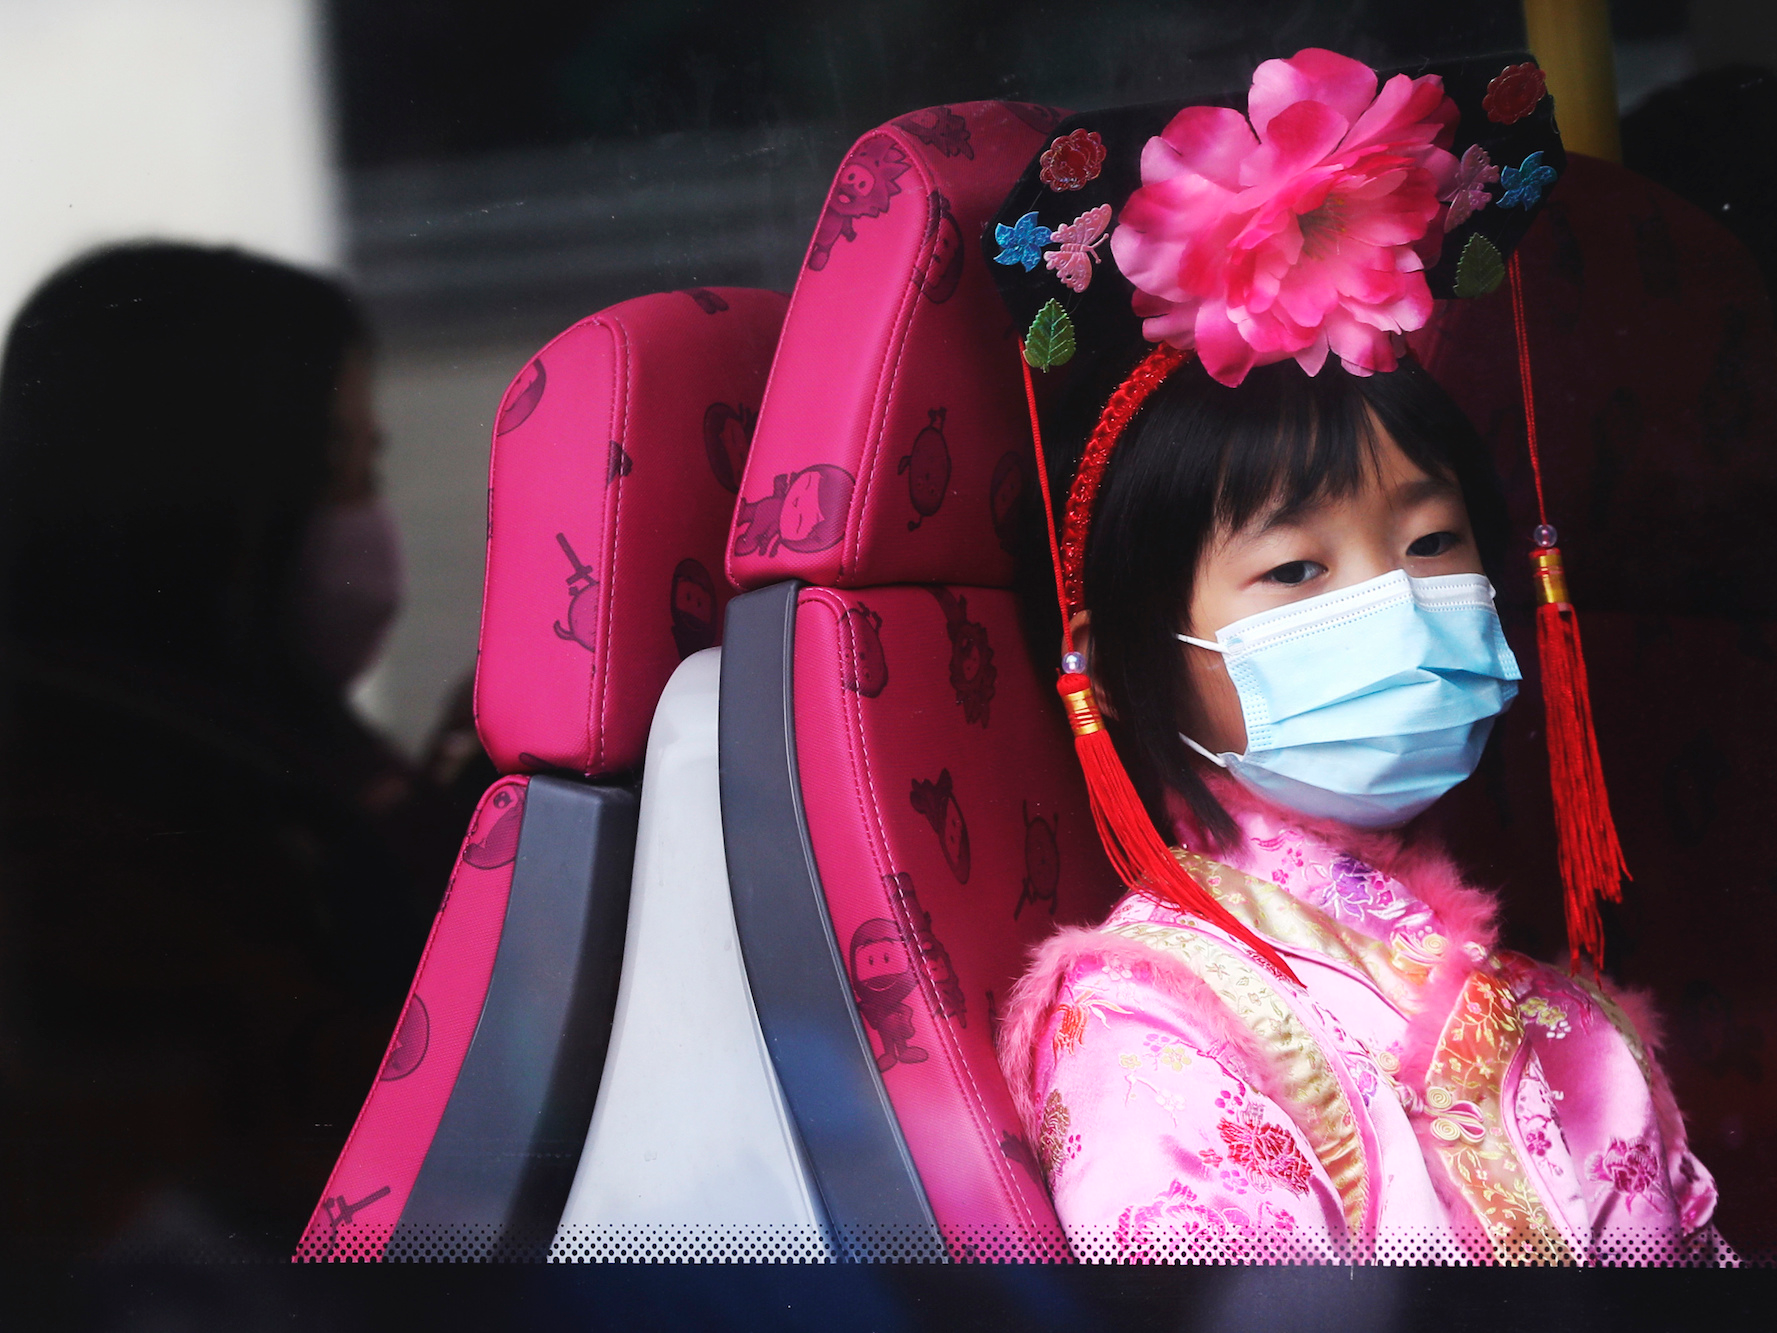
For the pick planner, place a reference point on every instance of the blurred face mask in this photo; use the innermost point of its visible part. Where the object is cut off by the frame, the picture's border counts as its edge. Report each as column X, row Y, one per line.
column 349, row 586
column 1366, row 704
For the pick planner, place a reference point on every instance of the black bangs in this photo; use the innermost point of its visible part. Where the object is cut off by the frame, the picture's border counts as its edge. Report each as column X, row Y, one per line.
column 1202, row 456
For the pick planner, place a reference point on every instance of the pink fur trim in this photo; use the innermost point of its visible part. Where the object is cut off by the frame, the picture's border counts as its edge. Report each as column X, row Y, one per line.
column 1033, row 999
column 1469, row 916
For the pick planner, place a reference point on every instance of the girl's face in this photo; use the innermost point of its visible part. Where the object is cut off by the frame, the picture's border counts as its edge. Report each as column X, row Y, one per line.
column 1400, row 518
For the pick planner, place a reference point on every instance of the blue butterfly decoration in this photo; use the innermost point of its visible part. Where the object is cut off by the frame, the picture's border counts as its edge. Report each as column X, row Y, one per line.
column 1022, row 242
column 1525, row 184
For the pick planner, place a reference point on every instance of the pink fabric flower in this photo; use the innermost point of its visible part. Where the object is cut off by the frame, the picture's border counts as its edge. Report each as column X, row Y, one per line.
column 1303, row 232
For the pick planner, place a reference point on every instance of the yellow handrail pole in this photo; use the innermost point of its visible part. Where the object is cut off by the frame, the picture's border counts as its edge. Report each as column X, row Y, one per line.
column 1571, row 41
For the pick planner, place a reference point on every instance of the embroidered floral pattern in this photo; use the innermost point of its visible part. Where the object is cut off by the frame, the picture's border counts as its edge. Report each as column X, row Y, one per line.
column 1168, row 1051
column 1266, row 1153
column 1055, row 1146
column 1074, row 1013
column 1632, row 1169
column 1309, row 1087
column 1544, row 1014
column 1155, row 1228
column 1072, row 160
column 1480, row 1038
column 1348, row 889
column 1535, row 1113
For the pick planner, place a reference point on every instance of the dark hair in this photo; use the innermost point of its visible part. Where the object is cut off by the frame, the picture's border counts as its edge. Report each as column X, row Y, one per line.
column 1201, row 456
column 165, row 413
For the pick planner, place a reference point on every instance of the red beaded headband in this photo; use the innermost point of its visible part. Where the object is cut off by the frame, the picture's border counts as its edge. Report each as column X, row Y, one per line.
column 1136, row 851
column 1082, row 497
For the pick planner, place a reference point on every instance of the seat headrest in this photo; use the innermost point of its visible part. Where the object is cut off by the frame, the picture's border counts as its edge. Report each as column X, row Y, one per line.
column 893, row 443
column 616, row 457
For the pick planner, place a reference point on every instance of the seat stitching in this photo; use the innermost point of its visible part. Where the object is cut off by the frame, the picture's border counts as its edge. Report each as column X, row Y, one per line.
column 892, row 364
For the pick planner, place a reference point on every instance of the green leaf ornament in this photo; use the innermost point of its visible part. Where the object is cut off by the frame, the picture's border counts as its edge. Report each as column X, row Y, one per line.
column 1050, row 339
column 1480, row 270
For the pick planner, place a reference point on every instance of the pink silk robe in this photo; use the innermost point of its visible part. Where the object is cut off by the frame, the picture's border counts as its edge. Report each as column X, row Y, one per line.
column 1422, row 1095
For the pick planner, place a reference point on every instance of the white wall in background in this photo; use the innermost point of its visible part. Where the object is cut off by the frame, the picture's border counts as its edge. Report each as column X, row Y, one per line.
column 437, row 406
column 183, row 119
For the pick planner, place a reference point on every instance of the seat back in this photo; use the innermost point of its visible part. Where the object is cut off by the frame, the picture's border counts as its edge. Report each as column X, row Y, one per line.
column 615, row 456
column 903, row 815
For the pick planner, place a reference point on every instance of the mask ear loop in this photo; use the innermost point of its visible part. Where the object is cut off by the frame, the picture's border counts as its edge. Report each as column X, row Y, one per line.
column 1215, row 759
column 1590, row 857
column 1140, row 857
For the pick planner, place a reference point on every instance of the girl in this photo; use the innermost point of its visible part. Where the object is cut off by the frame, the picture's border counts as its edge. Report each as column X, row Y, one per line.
column 1296, row 1035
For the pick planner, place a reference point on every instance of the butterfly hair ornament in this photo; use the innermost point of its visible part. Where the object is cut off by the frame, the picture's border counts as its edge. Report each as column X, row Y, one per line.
column 1319, row 215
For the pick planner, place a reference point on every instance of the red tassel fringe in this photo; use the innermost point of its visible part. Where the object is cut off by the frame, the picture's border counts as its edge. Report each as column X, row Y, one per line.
column 1591, row 859
column 1136, row 851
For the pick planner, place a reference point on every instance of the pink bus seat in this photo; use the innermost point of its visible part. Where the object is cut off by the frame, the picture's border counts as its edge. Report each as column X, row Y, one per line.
column 902, row 811
column 616, row 457
column 616, row 453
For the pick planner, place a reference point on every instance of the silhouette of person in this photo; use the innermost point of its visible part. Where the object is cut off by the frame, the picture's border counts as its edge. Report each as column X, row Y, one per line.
column 214, row 880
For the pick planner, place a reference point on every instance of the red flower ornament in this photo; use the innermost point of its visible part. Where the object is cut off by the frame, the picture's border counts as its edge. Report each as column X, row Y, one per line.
column 1514, row 93
column 1300, row 229
column 1072, row 160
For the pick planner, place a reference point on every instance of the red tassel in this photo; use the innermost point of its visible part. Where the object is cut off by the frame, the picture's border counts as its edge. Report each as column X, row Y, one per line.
column 1136, row 851
column 1591, row 859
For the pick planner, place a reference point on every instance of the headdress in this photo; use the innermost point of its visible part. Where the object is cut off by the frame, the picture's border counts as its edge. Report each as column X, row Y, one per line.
column 1319, row 214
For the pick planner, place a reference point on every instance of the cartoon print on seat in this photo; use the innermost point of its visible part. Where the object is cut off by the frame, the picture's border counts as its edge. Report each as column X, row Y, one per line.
column 525, row 401
column 500, row 846
column 972, row 672
column 943, row 267
column 711, row 303
column 341, row 1213
column 618, row 463
column 693, row 608
column 927, row 467
column 1006, row 490
column 941, row 128
column 412, row 1036
column 937, row 802
column 582, row 609
column 1042, row 863
column 882, row 979
column 866, row 669
column 727, row 435
column 805, row 511
column 863, row 189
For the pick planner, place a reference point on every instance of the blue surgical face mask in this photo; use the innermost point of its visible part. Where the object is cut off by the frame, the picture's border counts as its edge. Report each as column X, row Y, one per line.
column 1366, row 704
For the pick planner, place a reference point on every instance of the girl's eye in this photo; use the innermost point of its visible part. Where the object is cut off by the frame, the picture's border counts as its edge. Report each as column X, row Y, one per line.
column 1434, row 544
column 1297, row 571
